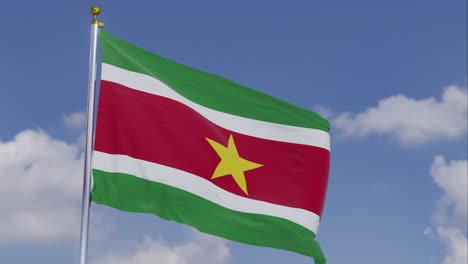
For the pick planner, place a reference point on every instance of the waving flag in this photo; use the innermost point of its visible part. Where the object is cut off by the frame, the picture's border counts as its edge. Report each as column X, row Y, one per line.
column 201, row 150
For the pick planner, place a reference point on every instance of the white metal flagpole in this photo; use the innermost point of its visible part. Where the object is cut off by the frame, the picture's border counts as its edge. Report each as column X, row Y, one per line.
column 95, row 25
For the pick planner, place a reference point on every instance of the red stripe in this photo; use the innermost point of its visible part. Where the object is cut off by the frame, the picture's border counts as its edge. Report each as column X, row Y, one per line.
column 164, row 131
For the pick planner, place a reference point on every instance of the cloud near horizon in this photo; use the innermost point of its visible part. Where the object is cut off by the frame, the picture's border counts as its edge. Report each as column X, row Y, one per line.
column 450, row 216
column 198, row 249
column 41, row 180
column 411, row 121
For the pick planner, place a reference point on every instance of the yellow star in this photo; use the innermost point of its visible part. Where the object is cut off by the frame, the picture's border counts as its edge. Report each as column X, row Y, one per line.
column 231, row 163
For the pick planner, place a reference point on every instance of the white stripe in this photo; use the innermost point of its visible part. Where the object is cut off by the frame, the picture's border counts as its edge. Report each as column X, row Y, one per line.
column 200, row 187
column 246, row 126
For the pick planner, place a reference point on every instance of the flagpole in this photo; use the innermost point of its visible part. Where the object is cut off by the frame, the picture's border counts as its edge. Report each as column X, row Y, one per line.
column 95, row 25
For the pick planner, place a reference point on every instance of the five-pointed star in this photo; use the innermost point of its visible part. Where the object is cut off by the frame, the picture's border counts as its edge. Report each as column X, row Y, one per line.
column 231, row 163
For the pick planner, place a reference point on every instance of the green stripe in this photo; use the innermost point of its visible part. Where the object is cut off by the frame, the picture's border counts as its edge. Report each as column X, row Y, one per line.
column 206, row 89
column 133, row 194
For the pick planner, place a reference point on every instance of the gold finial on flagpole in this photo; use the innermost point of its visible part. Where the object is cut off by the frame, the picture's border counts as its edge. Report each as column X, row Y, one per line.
column 95, row 11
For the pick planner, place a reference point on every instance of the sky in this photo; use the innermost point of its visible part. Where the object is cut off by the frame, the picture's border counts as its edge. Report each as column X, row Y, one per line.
column 391, row 76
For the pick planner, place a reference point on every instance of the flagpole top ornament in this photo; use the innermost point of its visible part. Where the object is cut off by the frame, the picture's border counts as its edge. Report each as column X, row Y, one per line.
column 95, row 11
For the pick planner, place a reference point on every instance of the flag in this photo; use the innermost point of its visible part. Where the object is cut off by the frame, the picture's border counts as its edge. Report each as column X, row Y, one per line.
column 201, row 150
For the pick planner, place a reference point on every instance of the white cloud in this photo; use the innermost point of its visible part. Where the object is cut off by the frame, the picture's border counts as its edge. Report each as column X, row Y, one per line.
column 40, row 188
column 456, row 245
column 75, row 120
column 452, row 178
column 450, row 216
column 200, row 249
column 410, row 120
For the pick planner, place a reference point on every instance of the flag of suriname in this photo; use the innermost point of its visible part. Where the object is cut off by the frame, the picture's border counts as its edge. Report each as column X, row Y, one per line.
column 201, row 150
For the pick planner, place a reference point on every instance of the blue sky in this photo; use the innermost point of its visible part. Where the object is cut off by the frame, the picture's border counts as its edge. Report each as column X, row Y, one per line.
column 390, row 75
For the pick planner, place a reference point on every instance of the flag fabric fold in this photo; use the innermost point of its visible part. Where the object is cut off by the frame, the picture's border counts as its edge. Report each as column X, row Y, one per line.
column 201, row 150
